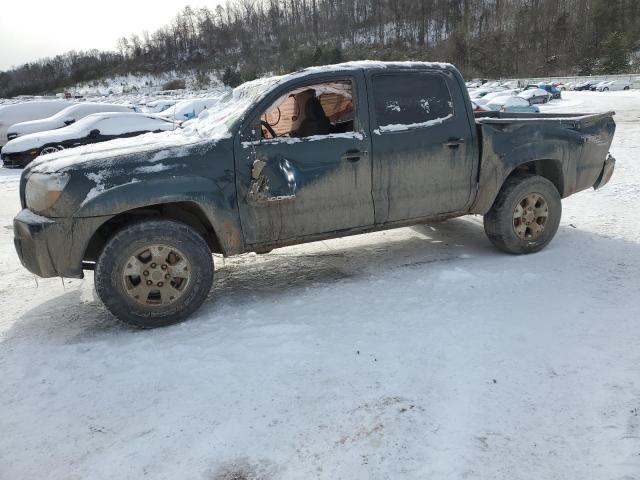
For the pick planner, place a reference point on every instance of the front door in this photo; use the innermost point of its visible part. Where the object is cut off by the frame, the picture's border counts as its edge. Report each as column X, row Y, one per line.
column 423, row 150
column 303, row 166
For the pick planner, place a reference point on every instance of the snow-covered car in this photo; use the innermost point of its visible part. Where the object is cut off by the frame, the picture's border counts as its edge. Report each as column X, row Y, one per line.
column 490, row 96
column 614, row 85
column 535, row 95
column 94, row 128
column 25, row 111
column 189, row 109
column 64, row 118
column 480, row 92
column 510, row 104
column 157, row 106
column 477, row 108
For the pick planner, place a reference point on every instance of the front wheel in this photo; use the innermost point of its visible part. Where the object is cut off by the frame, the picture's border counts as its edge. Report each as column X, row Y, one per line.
column 154, row 273
column 525, row 216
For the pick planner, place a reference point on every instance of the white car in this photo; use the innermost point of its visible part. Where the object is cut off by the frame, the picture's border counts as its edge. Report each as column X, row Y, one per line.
column 25, row 111
column 595, row 86
column 489, row 96
column 157, row 106
column 614, row 85
column 95, row 128
column 511, row 104
column 535, row 95
column 64, row 118
column 188, row 109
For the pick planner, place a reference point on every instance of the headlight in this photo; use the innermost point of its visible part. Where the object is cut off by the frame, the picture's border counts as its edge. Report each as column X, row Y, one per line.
column 43, row 190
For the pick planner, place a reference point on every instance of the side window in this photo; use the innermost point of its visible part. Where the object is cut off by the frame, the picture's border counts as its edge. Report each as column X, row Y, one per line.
column 318, row 109
column 407, row 100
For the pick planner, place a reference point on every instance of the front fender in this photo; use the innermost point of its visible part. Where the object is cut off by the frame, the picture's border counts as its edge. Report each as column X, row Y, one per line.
column 216, row 199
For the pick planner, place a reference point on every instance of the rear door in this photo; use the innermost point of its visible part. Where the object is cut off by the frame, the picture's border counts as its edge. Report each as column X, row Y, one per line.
column 422, row 143
column 294, row 185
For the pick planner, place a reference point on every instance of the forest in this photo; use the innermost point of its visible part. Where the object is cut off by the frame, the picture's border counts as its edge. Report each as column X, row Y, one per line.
column 246, row 38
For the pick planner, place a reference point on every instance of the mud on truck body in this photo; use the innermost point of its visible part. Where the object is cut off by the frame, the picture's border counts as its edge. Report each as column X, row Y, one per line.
column 321, row 153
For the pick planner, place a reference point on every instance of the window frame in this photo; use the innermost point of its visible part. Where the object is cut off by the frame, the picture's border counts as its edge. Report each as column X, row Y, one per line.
column 380, row 129
column 276, row 93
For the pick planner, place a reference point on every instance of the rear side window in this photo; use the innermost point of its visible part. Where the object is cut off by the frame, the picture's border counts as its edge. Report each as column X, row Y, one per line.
column 407, row 100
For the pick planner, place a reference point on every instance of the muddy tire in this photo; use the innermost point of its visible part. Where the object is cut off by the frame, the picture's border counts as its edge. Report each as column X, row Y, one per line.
column 525, row 216
column 154, row 273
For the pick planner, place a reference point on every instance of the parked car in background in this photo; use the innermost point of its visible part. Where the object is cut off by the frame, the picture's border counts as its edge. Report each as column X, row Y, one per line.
column 22, row 112
column 477, row 108
column 585, row 85
column 64, row 118
column 614, row 85
column 157, row 106
column 98, row 127
column 189, row 109
column 510, row 104
column 535, row 95
column 489, row 96
column 548, row 87
column 595, row 86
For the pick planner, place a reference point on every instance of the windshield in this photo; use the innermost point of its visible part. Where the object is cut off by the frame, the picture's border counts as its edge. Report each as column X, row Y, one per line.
column 217, row 121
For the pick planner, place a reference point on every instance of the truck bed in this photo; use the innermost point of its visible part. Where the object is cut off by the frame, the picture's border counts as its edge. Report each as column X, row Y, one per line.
column 569, row 148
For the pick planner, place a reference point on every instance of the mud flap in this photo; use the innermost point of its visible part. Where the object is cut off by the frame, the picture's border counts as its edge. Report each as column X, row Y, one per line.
column 606, row 173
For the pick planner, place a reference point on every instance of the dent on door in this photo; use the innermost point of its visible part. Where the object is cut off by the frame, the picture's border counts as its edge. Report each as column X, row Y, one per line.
column 274, row 181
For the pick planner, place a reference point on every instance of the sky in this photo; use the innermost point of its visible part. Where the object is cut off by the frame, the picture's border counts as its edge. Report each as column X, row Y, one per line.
column 32, row 29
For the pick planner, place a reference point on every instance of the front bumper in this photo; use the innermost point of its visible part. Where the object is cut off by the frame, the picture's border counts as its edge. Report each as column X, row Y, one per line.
column 53, row 247
column 606, row 173
column 17, row 160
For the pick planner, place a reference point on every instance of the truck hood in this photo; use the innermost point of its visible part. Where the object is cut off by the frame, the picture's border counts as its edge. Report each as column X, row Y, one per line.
column 158, row 145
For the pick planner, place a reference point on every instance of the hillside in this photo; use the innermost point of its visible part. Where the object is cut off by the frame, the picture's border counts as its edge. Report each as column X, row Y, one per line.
column 491, row 38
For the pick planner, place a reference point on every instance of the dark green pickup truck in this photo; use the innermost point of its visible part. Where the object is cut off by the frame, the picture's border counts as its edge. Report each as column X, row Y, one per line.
column 321, row 153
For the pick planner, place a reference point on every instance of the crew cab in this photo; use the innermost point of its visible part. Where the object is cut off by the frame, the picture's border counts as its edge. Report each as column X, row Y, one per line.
column 321, row 153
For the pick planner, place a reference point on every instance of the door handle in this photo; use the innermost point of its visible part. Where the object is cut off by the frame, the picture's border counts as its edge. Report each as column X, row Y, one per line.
column 454, row 142
column 353, row 155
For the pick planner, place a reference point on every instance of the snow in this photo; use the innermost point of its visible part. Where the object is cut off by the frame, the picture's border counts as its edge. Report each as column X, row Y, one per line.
column 402, row 127
column 20, row 112
column 310, row 138
column 412, row 353
column 70, row 114
column 188, row 109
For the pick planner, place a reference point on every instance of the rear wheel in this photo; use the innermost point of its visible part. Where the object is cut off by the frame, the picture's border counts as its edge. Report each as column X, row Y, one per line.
column 627, row 88
column 525, row 216
column 154, row 273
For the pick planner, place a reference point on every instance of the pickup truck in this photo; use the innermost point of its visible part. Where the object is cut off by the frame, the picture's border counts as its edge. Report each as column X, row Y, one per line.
column 321, row 153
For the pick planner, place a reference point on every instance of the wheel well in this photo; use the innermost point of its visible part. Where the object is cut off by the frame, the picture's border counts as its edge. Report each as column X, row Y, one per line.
column 185, row 212
column 549, row 169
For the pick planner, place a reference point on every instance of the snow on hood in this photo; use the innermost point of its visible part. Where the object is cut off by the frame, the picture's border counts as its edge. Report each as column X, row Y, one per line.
column 211, row 126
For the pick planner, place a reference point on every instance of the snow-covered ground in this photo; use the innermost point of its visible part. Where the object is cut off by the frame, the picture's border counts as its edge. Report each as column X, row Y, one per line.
column 418, row 353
